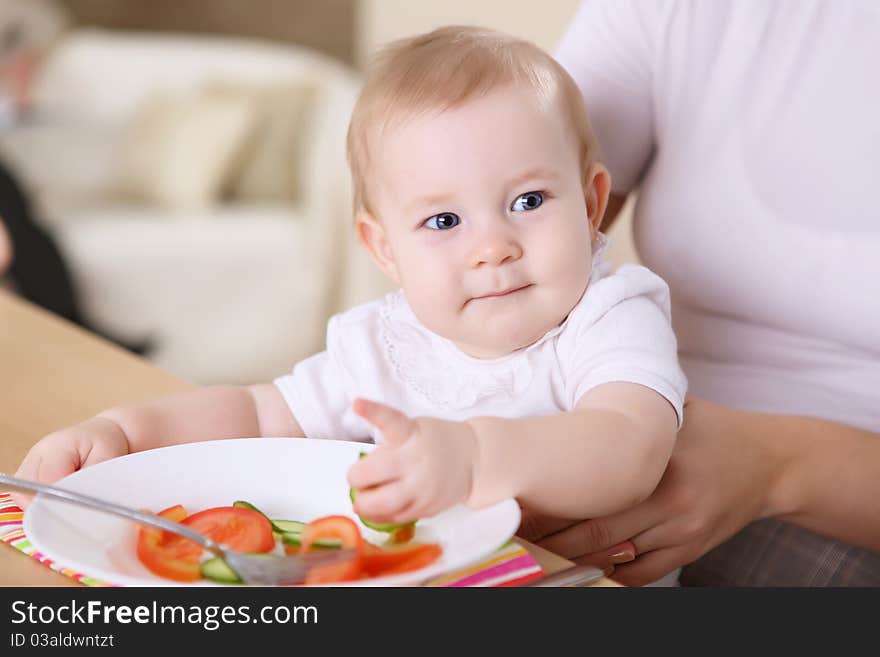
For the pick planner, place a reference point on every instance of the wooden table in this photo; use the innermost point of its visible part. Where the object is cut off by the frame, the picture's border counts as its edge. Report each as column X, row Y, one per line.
column 53, row 374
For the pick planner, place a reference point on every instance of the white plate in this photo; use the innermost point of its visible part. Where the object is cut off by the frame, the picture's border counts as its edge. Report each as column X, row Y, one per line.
column 294, row 479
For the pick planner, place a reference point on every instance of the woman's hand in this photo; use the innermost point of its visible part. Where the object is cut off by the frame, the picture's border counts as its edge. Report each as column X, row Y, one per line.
column 6, row 252
column 719, row 479
column 422, row 467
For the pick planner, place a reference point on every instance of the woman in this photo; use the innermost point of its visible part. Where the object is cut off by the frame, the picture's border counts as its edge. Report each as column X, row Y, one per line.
column 29, row 257
column 33, row 263
column 751, row 132
column 32, row 259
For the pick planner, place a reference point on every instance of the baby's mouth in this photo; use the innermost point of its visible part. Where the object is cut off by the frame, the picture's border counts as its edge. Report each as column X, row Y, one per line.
column 502, row 293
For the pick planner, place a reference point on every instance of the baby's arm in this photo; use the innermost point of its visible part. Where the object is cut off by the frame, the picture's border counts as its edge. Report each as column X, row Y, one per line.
column 205, row 414
column 606, row 455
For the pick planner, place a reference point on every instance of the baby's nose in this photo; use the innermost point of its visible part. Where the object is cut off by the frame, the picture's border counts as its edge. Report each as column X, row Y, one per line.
column 495, row 247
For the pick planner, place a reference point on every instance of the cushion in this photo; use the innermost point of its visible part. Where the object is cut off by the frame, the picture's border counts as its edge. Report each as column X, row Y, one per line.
column 268, row 169
column 180, row 149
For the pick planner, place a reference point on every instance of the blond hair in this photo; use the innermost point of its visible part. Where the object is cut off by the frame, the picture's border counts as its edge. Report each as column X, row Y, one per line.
column 443, row 69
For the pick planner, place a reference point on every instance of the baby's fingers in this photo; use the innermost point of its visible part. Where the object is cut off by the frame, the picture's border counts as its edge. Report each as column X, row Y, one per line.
column 380, row 467
column 44, row 466
column 23, row 500
column 389, row 503
column 394, row 425
column 47, row 464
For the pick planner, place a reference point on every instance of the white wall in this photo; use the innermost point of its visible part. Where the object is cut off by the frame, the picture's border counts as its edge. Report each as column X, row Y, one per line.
column 383, row 20
column 542, row 21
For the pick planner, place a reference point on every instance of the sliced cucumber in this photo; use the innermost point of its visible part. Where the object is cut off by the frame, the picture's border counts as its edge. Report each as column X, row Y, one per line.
column 241, row 504
column 288, row 526
column 290, row 530
column 218, row 570
column 278, row 526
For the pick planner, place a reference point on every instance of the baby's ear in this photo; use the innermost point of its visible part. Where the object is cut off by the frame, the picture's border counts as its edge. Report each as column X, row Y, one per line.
column 371, row 235
column 597, row 187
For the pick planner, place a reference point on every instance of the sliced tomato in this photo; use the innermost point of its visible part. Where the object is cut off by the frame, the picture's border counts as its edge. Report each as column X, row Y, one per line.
column 378, row 562
column 341, row 528
column 166, row 554
column 175, row 513
column 344, row 571
column 349, row 534
column 241, row 529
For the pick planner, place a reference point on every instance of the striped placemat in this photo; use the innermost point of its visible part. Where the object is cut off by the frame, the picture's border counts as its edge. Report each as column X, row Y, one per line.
column 510, row 565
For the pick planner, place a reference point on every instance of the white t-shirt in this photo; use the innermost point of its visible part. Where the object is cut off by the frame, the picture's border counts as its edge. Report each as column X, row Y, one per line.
column 752, row 130
column 619, row 331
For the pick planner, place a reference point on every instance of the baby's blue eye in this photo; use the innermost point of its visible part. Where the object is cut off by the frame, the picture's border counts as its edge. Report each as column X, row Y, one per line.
column 529, row 201
column 442, row 221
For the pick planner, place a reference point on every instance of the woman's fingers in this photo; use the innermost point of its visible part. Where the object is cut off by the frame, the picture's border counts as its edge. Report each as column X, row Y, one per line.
column 6, row 252
column 651, row 566
column 599, row 534
column 609, row 559
column 536, row 526
column 663, row 537
column 649, row 555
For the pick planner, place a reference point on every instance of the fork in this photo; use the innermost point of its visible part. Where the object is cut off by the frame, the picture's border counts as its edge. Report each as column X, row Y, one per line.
column 252, row 568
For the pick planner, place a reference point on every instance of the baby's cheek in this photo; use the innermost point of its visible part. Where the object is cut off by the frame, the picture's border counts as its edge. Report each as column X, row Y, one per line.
column 571, row 272
column 435, row 305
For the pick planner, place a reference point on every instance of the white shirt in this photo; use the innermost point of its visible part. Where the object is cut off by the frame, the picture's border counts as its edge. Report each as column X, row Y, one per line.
column 753, row 131
column 619, row 331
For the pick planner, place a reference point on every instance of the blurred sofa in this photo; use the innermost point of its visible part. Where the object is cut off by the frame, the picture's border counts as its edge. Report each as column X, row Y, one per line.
column 198, row 188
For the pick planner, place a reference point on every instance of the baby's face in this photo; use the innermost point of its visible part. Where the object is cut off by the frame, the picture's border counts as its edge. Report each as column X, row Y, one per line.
column 484, row 218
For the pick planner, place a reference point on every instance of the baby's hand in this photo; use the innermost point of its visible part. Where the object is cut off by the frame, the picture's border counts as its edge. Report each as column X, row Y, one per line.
column 422, row 467
column 68, row 450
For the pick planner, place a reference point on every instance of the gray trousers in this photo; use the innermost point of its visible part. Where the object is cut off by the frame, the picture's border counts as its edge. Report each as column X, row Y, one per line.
column 773, row 553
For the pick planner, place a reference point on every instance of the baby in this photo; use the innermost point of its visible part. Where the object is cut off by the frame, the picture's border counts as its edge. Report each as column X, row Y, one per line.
column 512, row 362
